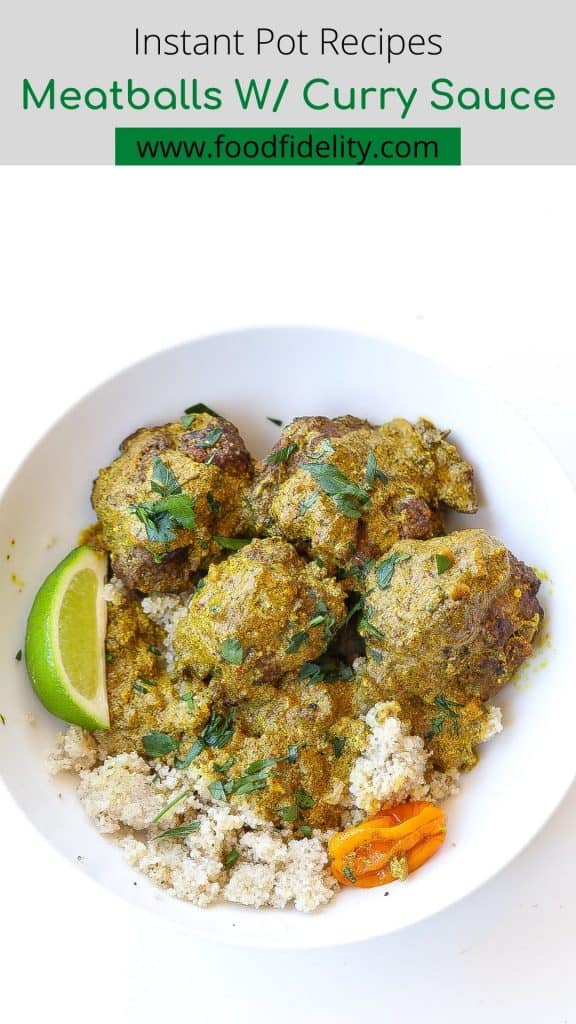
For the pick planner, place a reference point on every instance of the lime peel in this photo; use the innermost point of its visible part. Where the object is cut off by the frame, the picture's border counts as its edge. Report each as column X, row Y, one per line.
column 65, row 640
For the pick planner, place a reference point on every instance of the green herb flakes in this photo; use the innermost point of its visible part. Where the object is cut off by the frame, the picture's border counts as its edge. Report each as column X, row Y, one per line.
column 232, row 651
column 158, row 744
column 443, row 562
column 307, row 504
column 217, row 789
column 231, row 858
column 303, row 799
column 349, row 874
column 154, row 650
column 289, row 813
column 368, row 628
column 232, row 543
column 448, row 714
column 325, row 670
column 179, row 830
column 176, row 800
column 211, row 439
column 282, row 455
column 217, row 732
column 199, row 408
column 306, row 831
column 385, row 569
column 297, row 641
column 277, row 423
column 372, row 472
column 338, row 744
column 163, row 481
column 323, row 617
column 18, row 655
column 213, row 504
column 2, row 719
column 350, row 499
column 173, row 510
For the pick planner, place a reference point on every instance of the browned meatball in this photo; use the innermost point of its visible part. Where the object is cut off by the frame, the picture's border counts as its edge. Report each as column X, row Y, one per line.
column 344, row 491
column 457, row 612
column 172, row 490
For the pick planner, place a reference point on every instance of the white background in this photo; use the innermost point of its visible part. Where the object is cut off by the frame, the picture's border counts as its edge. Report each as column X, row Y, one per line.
column 102, row 266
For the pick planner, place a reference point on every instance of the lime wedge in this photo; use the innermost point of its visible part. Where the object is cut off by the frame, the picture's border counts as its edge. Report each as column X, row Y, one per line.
column 65, row 637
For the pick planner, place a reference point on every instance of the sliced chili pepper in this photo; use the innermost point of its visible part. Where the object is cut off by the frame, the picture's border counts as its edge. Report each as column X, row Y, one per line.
column 370, row 853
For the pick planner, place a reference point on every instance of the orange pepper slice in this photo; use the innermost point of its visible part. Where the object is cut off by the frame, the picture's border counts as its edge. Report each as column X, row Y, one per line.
column 409, row 833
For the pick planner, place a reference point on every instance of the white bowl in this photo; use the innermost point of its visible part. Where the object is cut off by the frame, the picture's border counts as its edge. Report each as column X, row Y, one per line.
column 247, row 376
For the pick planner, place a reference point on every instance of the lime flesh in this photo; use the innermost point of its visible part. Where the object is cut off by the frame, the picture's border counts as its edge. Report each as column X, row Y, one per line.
column 65, row 638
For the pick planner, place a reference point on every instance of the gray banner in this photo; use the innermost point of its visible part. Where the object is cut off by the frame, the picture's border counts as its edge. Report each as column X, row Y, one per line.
column 509, row 63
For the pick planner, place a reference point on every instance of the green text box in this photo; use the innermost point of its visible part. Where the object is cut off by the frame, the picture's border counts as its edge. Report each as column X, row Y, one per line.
column 302, row 146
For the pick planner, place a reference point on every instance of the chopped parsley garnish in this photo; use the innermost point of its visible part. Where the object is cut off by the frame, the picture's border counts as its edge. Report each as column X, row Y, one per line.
column 447, row 714
column 282, row 455
column 296, row 642
column 154, row 650
column 338, row 743
column 350, row 499
column 2, row 719
column 303, row 799
column 200, row 407
column 139, row 688
column 365, row 626
column 231, row 858
column 213, row 503
column 347, row 871
column 325, row 670
column 372, row 472
column 231, row 650
column 179, row 830
column 18, row 655
column 232, row 543
column 306, row 831
column 225, row 766
column 355, row 606
column 173, row 510
column 322, row 617
column 308, row 502
column 385, row 569
column 217, row 789
column 254, row 779
column 158, row 744
column 443, row 562
column 217, row 732
column 373, row 653
column 176, row 800
column 188, row 699
column 163, row 480
column 289, row 813
column 211, row 439
column 324, row 448
column 277, row 423
column 201, row 583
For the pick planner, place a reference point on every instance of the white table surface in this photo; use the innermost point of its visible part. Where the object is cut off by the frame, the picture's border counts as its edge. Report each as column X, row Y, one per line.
column 89, row 269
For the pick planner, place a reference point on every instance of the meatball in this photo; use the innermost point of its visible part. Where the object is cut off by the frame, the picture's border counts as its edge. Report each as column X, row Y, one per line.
column 169, row 494
column 457, row 612
column 258, row 615
column 344, row 491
